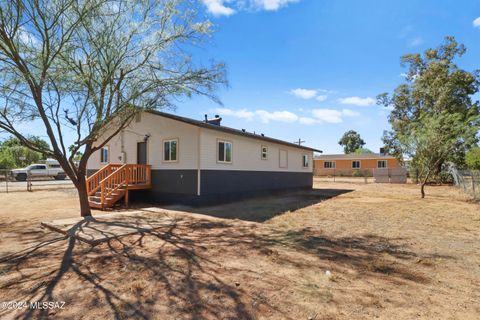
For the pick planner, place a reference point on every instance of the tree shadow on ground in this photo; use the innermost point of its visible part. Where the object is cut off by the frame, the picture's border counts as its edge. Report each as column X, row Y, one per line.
column 179, row 270
column 264, row 208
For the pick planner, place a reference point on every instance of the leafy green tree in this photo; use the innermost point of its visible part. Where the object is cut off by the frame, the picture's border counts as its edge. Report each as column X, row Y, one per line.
column 351, row 141
column 86, row 68
column 7, row 161
column 433, row 117
column 13, row 154
column 472, row 158
column 363, row 151
column 431, row 143
column 392, row 145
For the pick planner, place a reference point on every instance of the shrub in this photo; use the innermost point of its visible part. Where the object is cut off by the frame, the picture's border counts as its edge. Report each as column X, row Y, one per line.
column 357, row 173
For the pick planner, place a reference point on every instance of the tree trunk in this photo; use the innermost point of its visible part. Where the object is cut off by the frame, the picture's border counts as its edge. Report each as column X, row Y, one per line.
column 81, row 185
column 424, row 182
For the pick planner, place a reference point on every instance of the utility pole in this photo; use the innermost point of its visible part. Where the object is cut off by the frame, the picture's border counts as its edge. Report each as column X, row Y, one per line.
column 299, row 142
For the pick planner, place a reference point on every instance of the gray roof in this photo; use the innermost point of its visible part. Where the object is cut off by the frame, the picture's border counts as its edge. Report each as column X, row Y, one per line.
column 353, row 156
column 203, row 124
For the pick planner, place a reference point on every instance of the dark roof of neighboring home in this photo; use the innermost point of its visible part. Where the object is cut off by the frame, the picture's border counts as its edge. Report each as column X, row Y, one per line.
column 353, row 156
column 229, row 130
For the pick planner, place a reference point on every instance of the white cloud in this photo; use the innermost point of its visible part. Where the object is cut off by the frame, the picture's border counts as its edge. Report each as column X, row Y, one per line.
column 350, row 113
column 217, row 8
column 282, row 116
column 476, row 23
column 328, row 115
column 26, row 37
column 321, row 97
column 319, row 115
column 304, row 93
column 357, row 101
column 263, row 115
column 307, row 120
column 242, row 114
column 272, row 5
column 414, row 42
column 229, row 7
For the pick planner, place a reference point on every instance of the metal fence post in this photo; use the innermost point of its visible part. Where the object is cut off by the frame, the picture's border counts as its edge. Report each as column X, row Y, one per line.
column 29, row 183
column 473, row 185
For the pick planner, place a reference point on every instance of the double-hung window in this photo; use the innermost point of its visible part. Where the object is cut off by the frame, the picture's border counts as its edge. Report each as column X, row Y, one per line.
column 356, row 164
column 170, row 149
column 104, row 154
column 305, row 161
column 381, row 163
column 329, row 165
column 224, row 151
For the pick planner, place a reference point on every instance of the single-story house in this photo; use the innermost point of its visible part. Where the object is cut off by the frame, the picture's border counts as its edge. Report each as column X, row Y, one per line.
column 167, row 158
column 353, row 164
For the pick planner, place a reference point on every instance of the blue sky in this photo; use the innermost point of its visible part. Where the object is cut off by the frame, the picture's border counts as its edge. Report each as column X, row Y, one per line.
column 311, row 69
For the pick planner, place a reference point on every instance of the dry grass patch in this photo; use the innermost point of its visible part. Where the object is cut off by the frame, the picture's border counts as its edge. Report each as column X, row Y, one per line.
column 387, row 252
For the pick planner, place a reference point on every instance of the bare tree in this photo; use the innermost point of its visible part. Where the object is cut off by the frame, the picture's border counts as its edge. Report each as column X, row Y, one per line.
column 86, row 67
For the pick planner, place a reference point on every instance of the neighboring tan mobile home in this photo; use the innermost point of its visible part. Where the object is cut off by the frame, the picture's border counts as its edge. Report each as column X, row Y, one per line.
column 196, row 162
column 351, row 164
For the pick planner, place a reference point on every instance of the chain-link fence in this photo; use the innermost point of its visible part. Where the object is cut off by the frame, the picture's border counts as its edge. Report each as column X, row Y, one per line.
column 468, row 180
column 378, row 175
column 9, row 184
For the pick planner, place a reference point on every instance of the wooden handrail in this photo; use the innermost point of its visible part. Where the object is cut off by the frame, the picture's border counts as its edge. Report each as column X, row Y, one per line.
column 113, row 177
column 93, row 181
column 113, row 182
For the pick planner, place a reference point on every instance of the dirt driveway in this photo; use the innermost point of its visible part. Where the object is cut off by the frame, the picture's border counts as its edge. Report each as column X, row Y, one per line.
column 342, row 251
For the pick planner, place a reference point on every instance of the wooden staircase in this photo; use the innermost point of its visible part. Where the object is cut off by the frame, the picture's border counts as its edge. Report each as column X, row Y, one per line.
column 111, row 183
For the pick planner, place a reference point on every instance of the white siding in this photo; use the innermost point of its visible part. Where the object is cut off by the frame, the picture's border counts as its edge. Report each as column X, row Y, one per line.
column 246, row 151
column 159, row 129
column 247, row 154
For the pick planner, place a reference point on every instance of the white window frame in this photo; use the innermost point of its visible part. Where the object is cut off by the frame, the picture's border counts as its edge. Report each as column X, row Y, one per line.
column 225, row 142
column 264, row 153
column 359, row 164
column 170, row 153
column 102, row 154
column 382, row 161
column 305, row 159
column 332, row 165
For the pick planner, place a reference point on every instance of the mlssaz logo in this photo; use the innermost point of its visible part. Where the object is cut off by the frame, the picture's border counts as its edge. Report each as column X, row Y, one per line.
column 47, row 305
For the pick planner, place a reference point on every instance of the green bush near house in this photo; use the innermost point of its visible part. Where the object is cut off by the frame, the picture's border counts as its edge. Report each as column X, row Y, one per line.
column 472, row 158
column 357, row 173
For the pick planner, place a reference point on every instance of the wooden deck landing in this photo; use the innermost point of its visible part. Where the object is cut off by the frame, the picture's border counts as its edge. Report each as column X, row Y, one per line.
column 112, row 183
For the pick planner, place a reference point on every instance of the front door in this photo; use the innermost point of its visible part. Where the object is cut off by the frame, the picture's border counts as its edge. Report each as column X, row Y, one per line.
column 141, row 153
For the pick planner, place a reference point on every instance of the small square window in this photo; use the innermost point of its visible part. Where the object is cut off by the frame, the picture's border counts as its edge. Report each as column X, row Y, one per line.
column 356, row 164
column 264, row 153
column 224, row 151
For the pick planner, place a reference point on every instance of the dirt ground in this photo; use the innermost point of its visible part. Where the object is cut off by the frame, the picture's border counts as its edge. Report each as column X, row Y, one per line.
column 341, row 251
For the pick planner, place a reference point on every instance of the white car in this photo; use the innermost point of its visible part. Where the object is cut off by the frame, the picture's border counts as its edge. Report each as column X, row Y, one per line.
column 38, row 171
